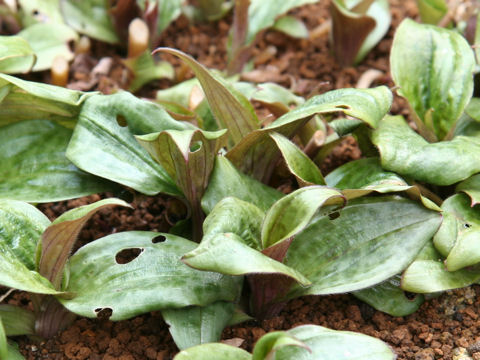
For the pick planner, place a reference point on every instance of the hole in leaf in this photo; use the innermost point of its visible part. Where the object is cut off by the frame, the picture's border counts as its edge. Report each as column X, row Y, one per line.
column 35, row 12
column 409, row 295
column 334, row 215
column 159, row 239
column 346, row 107
column 121, row 121
column 197, row 145
column 127, row 255
column 104, row 313
column 467, row 225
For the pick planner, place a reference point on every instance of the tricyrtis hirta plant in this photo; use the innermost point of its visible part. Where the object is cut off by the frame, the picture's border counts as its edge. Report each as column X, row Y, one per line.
column 118, row 276
column 303, row 342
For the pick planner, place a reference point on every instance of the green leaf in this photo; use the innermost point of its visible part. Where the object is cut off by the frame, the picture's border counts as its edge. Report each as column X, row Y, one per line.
column 34, row 167
column 473, row 109
column 458, row 236
column 299, row 164
column 230, row 108
column 17, row 321
column 255, row 154
column 145, row 69
column 58, row 239
column 360, row 177
column 432, row 11
column 13, row 352
column 216, row 351
column 3, row 342
column 434, row 69
column 21, row 227
column 49, row 40
column 291, row 214
column 16, row 55
column 262, row 14
column 405, row 152
column 369, row 241
column 291, row 26
column 227, row 181
column 167, row 12
column 471, row 187
column 357, row 27
column 156, row 279
column 329, row 344
column 429, row 276
column 26, row 100
column 89, row 17
column 198, row 324
column 390, row 298
column 267, row 346
column 39, row 11
column 101, row 146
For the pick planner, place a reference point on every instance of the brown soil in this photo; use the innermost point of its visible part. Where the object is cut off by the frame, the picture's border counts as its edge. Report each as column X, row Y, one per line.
column 440, row 328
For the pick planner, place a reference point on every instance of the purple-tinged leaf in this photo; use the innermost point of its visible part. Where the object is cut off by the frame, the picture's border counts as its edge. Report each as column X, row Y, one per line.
column 59, row 238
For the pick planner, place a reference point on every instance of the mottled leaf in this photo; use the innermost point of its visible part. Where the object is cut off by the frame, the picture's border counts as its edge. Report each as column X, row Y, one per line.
column 216, row 351
column 434, row 69
column 156, row 279
column 390, row 298
column 230, row 108
column 367, row 242
column 103, row 145
column 299, row 164
column 58, row 239
column 226, row 180
column 291, row 214
column 48, row 41
column 16, row 55
column 471, row 187
column 26, row 100
column 89, row 17
column 255, row 154
column 405, row 152
column 197, row 325
column 34, row 168
column 459, row 234
column 21, row 227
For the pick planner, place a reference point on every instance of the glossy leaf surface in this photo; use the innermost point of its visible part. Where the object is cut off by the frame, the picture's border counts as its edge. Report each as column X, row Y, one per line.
column 255, row 154
column 34, row 168
column 198, row 324
column 471, row 187
column 156, row 279
column 22, row 226
column 405, row 152
column 226, row 180
column 335, row 261
column 102, row 146
column 433, row 68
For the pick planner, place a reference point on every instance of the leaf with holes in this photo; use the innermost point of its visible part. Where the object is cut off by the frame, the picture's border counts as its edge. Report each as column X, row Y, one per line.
column 198, row 324
column 34, row 168
column 256, row 153
column 188, row 157
column 27, row 100
column 154, row 280
column 433, row 68
column 405, row 152
column 103, row 142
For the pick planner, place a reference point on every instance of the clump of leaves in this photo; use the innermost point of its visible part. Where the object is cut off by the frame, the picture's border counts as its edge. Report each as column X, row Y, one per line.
column 357, row 26
column 305, row 342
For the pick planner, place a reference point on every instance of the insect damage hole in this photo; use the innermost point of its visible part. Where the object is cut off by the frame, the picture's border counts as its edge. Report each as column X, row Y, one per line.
column 121, row 121
column 158, row 239
column 104, row 313
column 197, row 145
column 334, row 215
column 345, row 107
column 467, row 225
column 127, row 255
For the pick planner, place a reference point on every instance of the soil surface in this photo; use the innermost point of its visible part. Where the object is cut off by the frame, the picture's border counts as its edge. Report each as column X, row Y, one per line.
column 447, row 327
